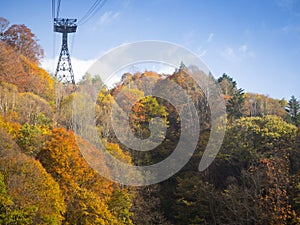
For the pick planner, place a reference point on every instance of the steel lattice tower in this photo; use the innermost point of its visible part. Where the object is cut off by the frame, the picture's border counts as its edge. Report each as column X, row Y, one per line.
column 64, row 72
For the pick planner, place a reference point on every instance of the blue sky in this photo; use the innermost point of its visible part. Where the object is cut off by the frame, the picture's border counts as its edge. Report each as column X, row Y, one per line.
column 257, row 42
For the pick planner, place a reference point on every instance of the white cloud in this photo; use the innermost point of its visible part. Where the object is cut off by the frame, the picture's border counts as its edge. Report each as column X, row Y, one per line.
column 80, row 66
column 210, row 37
column 201, row 52
column 108, row 16
column 229, row 51
column 229, row 54
column 238, row 53
column 243, row 48
column 166, row 70
column 49, row 65
column 246, row 52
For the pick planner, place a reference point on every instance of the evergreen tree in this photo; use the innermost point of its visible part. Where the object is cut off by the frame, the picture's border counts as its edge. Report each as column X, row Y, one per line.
column 235, row 105
column 234, row 97
column 227, row 84
column 293, row 109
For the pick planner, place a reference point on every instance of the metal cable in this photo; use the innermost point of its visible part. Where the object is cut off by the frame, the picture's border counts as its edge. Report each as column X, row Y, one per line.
column 92, row 11
column 58, row 8
column 53, row 9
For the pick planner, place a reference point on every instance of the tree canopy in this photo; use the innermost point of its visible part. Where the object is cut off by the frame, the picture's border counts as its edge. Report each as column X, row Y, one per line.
column 45, row 178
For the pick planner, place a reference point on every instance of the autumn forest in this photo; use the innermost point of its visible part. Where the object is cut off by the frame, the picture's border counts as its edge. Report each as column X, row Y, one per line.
column 44, row 179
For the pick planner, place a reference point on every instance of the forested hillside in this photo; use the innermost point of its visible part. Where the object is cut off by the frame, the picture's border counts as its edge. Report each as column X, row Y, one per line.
column 44, row 179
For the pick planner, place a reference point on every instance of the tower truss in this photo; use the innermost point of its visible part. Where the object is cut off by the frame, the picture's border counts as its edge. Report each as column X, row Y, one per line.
column 64, row 72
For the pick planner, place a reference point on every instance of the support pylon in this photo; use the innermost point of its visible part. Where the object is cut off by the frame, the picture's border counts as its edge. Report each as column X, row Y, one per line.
column 64, row 72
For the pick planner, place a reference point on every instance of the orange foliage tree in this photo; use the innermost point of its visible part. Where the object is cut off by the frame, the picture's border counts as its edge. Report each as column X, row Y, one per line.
column 31, row 188
column 86, row 193
column 23, row 41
